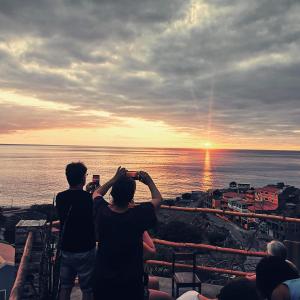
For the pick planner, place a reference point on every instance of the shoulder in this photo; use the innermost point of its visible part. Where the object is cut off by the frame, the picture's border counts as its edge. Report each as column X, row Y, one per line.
column 145, row 206
column 281, row 292
column 62, row 195
column 99, row 202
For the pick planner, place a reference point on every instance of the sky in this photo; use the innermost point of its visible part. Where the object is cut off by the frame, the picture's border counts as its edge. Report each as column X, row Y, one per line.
column 151, row 73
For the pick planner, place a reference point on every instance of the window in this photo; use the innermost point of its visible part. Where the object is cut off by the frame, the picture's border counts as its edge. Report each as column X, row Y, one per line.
column 2, row 294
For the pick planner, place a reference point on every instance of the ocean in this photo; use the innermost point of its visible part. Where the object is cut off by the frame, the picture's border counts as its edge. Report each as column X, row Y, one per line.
column 32, row 174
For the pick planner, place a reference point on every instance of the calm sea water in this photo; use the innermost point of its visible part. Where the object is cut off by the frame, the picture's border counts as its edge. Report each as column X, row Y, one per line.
column 33, row 174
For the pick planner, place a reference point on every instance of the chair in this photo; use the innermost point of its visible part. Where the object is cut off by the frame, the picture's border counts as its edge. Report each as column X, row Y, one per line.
column 184, row 279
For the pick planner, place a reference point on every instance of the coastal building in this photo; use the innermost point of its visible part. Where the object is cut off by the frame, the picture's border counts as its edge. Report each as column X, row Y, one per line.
column 7, row 269
column 241, row 205
column 289, row 206
column 239, row 187
column 277, row 199
column 233, row 186
column 243, row 187
column 269, row 194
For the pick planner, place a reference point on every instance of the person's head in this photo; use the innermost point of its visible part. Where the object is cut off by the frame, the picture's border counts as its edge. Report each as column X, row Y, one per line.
column 238, row 289
column 272, row 271
column 76, row 174
column 123, row 191
column 276, row 248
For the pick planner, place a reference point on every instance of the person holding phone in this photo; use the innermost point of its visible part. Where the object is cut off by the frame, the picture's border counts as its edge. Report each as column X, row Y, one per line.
column 75, row 210
column 120, row 227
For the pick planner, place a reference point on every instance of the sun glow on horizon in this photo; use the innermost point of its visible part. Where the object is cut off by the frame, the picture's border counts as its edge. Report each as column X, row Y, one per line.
column 208, row 145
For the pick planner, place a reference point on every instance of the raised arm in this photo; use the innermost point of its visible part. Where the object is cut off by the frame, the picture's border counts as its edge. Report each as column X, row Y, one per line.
column 148, row 245
column 103, row 189
column 155, row 193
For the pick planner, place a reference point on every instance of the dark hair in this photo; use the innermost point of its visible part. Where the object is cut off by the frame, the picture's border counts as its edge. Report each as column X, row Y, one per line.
column 272, row 271
column 75, row 173
column 123, row 191
column 238, row 289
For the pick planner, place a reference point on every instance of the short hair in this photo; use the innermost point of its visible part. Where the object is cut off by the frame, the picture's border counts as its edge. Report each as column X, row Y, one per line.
column 276, row 248
column 272, row 271
column 123, row 191
column 238, row 289
column 75, row 173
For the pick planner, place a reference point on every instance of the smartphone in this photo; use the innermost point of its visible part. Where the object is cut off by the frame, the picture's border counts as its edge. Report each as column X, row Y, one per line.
column 133, row 174
column 96, row 179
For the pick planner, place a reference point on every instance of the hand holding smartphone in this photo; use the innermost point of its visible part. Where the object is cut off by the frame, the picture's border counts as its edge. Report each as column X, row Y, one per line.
column 133, row 174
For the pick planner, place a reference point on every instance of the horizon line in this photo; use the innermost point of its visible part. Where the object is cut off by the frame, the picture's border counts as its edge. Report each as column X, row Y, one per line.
column 141, row 147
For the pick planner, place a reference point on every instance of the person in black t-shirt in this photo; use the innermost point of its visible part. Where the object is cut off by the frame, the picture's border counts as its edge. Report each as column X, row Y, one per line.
column 75, row 211
column 120, row 227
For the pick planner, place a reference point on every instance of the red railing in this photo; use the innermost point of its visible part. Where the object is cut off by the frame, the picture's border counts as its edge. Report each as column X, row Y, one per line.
column 215, row 248
column 17, row 289
column 201, row 268
column 210, row 248
column 232, row 213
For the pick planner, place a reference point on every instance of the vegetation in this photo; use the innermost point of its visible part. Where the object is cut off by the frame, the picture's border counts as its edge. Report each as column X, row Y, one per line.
column 178, row 231
column 47, row 209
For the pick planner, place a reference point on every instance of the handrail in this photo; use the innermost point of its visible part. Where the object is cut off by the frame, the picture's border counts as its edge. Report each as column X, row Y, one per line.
column 201, row 268
column 224, row 212
column 210, row 247
column 17, row 289
column 232, row 213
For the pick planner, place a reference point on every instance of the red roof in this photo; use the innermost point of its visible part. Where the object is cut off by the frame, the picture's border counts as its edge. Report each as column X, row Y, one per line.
column 7, row 253
column 267, row 206
column 230, row 195
column 270, row 189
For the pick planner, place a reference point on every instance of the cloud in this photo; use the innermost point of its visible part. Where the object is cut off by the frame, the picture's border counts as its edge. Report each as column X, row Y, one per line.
column 199, row 66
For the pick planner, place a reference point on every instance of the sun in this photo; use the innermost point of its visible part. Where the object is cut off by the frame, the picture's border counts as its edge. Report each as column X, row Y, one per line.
column 207, row 145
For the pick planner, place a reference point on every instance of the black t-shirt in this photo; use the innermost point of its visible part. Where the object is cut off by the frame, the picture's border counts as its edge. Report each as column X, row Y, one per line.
column 120, row 252
column 75, row 211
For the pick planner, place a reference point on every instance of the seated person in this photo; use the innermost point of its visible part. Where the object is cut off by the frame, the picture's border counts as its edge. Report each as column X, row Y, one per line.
column 276, row 279
column 238, row 289
column 278, row 249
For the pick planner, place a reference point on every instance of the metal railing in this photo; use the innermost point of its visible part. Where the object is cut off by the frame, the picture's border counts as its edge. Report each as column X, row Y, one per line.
column 17, row 289
column 200, row 268
column 210, row 248
column 232, row 213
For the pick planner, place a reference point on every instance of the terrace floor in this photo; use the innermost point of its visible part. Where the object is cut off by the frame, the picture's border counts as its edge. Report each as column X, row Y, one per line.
column 208, row 290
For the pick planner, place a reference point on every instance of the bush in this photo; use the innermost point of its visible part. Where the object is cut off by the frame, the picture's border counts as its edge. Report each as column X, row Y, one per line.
column 186, row 196
column 46, row 209
column 216, row 238
column 177, row 231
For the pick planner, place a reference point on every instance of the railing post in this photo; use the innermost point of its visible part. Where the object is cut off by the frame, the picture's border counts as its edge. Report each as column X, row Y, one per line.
column 18, row 288
column 37, row 229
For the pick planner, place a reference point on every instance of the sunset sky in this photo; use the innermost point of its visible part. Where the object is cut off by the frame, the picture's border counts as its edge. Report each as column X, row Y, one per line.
column 155, row 73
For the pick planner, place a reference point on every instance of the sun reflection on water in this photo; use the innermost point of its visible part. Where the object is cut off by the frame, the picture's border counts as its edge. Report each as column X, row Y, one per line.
column 207, row 178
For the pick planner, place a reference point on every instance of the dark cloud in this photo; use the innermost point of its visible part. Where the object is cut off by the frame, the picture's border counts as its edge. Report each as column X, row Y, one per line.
column 232, row 63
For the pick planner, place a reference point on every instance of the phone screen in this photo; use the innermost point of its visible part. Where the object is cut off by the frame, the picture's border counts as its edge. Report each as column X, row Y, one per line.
column 96, row 179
